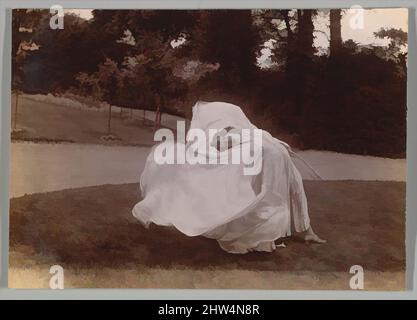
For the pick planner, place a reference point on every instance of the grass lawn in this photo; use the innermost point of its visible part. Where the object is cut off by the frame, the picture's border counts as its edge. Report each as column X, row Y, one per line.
column 91, row 233
column 49, row 122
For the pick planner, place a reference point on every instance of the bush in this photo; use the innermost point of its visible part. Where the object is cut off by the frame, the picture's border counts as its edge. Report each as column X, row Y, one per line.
column 359, row 107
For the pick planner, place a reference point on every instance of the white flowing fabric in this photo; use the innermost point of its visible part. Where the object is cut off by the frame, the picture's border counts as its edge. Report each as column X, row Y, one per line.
column 242, row 212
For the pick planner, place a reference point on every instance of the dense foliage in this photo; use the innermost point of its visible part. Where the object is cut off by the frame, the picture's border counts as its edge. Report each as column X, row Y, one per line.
column 350, row 100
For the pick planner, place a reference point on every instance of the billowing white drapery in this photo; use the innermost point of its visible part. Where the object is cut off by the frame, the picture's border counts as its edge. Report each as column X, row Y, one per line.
column 242, row 212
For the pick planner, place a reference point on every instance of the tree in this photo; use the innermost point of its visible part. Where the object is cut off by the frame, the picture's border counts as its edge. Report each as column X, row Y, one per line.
column 108, row 81
column 305, row 37
column 24, row 22
column 102, row 85
column 299, row 67
column 230, row 39
column 398, row 40
column 279, row 28
column 335, row 30
column 147, row 36
column 81, row 46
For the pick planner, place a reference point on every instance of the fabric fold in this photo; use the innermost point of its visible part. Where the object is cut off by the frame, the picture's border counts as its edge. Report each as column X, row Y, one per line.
column 242, row 212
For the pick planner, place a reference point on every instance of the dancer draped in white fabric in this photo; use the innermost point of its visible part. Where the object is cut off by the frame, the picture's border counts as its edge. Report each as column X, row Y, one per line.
column 220, row 200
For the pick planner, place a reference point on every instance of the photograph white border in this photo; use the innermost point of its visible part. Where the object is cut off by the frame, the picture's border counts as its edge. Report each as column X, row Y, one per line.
column 6, row 7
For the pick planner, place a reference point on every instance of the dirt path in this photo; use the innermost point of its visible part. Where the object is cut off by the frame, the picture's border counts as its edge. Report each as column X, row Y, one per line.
column 92, row 234
column 41, row 167
column 89, row 161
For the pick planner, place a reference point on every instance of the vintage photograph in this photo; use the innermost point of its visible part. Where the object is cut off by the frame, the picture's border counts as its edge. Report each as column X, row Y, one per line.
column 225, row 149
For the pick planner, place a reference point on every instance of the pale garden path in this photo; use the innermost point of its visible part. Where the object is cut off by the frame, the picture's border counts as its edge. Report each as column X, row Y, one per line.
column 44, row 167
column 88, row 161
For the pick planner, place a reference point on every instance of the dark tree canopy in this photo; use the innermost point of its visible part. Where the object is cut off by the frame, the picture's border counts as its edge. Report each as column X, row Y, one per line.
column 353, row 100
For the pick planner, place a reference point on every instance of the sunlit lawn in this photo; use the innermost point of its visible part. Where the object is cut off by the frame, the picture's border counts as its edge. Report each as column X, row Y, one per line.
column 91, row 233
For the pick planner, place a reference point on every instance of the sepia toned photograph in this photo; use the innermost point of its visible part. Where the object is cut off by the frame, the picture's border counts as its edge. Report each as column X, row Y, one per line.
column 208, row 149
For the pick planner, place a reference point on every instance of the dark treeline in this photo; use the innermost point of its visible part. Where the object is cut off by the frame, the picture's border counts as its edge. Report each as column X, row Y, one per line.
column 352, row 99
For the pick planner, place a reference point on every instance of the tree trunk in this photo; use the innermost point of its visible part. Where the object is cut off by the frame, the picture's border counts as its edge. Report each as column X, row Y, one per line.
column 290, row 34
column 109, row 121
column 300, row 63
column 305, row 33
column 335, row 30
column 15, row 110
column 157, row 119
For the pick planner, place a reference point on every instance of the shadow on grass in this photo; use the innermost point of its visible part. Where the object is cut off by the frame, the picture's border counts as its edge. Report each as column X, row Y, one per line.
column 364, row 223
